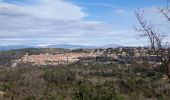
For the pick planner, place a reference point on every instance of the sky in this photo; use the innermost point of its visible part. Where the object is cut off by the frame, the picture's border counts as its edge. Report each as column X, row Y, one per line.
column 78, row 22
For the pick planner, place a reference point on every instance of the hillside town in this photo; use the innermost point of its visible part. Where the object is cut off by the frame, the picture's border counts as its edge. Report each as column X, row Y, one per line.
column 120, row 55
column 54, row 59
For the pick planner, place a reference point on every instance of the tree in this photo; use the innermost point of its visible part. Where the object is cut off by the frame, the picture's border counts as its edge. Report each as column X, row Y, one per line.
column 159, row 47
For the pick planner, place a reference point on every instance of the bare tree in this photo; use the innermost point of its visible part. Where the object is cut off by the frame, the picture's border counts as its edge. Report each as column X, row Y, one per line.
column 157, row 39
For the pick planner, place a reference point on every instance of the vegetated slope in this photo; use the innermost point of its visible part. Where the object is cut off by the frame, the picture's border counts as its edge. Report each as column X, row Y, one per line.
column 88, row 79
column 84, row 82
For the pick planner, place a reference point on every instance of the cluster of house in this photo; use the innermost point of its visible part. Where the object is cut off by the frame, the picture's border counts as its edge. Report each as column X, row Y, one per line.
column 71, row 57
column 54, row 59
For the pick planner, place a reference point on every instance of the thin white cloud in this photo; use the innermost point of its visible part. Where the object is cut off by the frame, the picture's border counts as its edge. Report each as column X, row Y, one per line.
column 104, row 5
column 57, row 9
column 119, row 11
column 48, row 9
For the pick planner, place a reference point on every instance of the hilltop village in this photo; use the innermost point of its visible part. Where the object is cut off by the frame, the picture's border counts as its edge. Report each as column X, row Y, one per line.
column 109, row 55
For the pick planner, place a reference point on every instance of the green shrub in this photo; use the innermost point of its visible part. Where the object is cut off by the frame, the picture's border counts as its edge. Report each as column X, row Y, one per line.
column 5, row 87
column 30, row 98
column 56, row 75
column 84, row 90
column 130, row 83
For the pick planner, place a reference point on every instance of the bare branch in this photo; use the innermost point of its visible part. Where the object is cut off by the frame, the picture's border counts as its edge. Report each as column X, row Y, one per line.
column 147, row 29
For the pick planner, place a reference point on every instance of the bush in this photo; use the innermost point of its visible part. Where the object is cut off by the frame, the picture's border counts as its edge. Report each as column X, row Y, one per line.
column 84, row 90
column 5, row 87
column 58, row 75
column 30, row 98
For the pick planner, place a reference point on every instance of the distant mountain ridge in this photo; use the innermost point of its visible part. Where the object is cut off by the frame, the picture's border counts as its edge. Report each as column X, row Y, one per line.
column 110, row 46
column 66, row 46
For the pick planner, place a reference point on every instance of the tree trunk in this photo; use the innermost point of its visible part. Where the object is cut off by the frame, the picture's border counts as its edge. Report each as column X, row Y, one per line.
column 168, row 73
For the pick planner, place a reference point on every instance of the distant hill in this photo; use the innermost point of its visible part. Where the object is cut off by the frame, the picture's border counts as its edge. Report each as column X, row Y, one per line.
column 65, row 46
column 110, row 46
column 13, row 47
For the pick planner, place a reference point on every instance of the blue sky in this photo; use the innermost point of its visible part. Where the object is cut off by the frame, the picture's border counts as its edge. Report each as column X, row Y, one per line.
column 80, row 22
